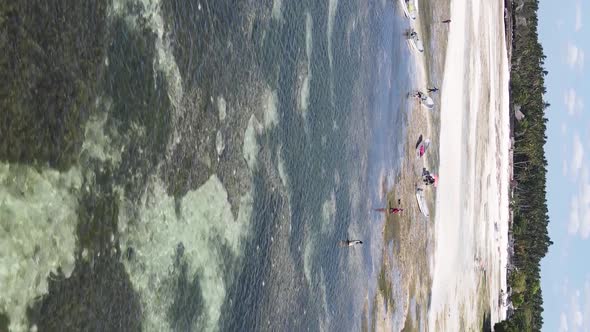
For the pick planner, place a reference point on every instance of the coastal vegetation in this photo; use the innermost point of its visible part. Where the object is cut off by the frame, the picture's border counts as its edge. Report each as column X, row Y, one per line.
column 529, row 204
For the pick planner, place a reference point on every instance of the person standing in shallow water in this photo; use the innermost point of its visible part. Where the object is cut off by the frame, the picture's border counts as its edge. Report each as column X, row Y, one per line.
column 349, row 243
column 392, row 210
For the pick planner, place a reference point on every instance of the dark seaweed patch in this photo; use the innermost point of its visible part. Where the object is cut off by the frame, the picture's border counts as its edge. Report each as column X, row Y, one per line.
column 141, row 107
column 97, row 297
column 51, row 59
column 187, row 309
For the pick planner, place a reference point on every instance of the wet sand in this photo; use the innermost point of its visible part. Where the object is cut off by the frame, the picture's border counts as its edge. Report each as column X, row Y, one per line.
column 408, row 237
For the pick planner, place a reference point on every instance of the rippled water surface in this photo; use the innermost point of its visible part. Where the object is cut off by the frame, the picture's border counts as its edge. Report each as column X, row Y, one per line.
column 218, row 151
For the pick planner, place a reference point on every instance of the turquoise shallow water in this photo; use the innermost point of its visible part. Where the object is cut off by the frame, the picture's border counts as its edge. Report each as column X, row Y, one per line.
column 228, row 149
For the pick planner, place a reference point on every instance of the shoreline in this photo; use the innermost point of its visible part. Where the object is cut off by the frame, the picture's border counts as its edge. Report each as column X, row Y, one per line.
column 410, row 234
column 413, row 252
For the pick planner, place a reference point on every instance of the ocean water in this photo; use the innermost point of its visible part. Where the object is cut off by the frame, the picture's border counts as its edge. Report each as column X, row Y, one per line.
column 233, row 145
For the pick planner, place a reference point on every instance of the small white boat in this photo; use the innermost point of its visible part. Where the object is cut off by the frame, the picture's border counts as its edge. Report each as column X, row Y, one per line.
column 425, row 100
column 421, row 199
column 422, row 147
column 410, row 8
column 416, row 42
column 349, row 243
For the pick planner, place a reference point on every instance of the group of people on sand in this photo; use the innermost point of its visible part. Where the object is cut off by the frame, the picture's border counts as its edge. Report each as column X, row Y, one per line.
column 427, row 178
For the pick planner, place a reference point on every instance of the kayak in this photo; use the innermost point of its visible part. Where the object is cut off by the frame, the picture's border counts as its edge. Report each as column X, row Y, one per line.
column 417, row 43
column 422, row 147
column 427, row 102
column 422, row 202
column 409, row 8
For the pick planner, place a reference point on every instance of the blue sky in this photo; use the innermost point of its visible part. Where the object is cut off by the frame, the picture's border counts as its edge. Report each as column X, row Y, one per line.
column 566, row 268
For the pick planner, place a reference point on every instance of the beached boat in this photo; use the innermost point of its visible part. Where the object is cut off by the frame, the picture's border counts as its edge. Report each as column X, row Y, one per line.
column 416, row 42
column 421, row 199
column 410, row 8
column 425, row 100
column 422, row 147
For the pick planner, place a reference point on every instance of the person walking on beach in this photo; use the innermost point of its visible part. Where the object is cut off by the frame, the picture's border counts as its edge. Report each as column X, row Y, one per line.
column 433, row 89
column 447, row 21
column 390, row 210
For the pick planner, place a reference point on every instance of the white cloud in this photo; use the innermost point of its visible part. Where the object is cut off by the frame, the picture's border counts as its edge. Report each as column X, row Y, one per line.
column 577, row 315
column 563, row 322
column 584, row 200
column 565, row 251
column 586, row 309
column 573, row 102
column 574, row 223
column 577, row 155
column 578, row 320
column 575, row 56
column 579, row 223
column 578, row 16
column 563, row 128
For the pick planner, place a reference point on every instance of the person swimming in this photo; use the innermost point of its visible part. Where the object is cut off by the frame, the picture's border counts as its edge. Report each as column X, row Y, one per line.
column 349, row 243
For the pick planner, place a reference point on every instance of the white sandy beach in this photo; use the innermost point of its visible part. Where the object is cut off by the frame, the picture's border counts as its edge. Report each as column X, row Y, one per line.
column 471, row 221
column 469, row 258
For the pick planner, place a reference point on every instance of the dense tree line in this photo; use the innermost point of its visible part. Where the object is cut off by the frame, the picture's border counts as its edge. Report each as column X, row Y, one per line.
column 529, row 203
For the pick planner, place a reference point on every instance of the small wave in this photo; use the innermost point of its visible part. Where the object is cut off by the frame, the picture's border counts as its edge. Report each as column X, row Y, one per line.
column 304, row 89
column 332, row 6
column 251, row 147
column 277, row 13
